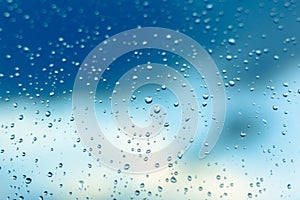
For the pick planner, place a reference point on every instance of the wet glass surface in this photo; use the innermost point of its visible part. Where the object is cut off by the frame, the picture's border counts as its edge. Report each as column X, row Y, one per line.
column 50, row 144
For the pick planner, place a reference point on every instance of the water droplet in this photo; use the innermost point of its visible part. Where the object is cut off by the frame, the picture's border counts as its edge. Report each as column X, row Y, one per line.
column 264, row 121
column 47, row 113
column 285, row 84
column 148, row 100
column 126, row 166
column 209, row 6
column 231, row 41
column 142, row 185
column 258, row 52
column 229, row 57
column 173, row 179
column 50, row 125
column 28, row 180
column 205, row 96
column 243, row 134
column 133, row 97
column 275, row 107
column 209, row 193
column 160, row 189
column 180, row 154
column 21, row 117
column 176, row 104
column 283, row 132
column 137, row 192
column 157, row 109
column 149, row 67
column 168, row 36
column 50, row 174
column 289, row 186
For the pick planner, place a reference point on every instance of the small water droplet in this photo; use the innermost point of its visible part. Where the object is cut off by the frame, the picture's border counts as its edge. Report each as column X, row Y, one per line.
column 209, row 6
column 50, row 174
column 205, row 96
column 249, row 195
column 283, row 132
column 149, row 67
column 180, row 154
column 126, row 166
column 21, row 117
column 173, row 179
column 285, row 84
column 229, row 57
column 160, row 189
column 258, row 52
column 176, row 104
column 243, row 134
column 50, row 125
column 133, row 97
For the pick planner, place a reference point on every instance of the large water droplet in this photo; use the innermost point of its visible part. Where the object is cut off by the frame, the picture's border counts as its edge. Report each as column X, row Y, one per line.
column 148, row 100
column 156, row 109
column 231, row 41
column 28, row 180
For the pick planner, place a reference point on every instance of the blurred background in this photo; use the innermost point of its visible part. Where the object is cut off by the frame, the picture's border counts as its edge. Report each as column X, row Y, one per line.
column 253, row 43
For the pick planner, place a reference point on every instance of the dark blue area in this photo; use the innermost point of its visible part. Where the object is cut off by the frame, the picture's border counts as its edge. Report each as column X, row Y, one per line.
column 44, row 26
